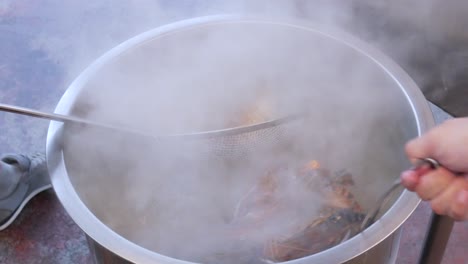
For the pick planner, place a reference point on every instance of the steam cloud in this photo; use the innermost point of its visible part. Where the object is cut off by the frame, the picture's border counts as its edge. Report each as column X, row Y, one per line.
column 171, row 197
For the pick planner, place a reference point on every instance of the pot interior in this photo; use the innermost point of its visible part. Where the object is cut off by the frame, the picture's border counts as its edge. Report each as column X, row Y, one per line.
column 173, row 198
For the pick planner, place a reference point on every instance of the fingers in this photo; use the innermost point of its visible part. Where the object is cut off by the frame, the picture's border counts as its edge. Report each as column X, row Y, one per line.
column 447, row 193
column 433, row 183
column 453, row 201
column 460, row 208
column 410, row 179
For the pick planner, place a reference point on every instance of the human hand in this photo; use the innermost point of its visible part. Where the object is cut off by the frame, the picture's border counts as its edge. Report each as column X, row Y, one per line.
column 446, row 191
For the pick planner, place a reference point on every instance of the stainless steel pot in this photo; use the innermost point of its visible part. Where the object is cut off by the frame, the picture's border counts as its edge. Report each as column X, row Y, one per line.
column 366, row 94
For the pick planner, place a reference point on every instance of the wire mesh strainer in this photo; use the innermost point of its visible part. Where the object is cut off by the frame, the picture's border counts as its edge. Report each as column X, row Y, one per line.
column 230, row 142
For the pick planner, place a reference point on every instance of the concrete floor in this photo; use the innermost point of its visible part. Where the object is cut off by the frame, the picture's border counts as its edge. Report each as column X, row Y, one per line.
column 41, row 51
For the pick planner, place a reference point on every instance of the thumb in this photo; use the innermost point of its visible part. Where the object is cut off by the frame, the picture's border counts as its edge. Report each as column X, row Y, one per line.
column 422, row 147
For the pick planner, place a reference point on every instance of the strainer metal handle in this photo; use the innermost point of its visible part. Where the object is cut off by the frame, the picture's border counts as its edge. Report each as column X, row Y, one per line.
column 374, row 211
column 195, row 135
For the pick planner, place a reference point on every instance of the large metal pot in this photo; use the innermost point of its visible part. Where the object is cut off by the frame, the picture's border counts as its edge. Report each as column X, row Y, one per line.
column 368, row 109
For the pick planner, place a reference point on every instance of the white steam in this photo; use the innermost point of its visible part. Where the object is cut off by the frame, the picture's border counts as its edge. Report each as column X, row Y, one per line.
column 176, row 198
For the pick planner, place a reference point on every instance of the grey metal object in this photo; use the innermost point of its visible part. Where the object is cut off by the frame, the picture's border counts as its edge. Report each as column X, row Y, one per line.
column 271, row 124
column 437, row 237
column 440, row 227
column 395, row 90
column 57, row 117
column 21, row 178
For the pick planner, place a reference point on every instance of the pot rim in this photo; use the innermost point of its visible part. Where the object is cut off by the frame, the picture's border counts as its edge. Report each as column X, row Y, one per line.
column 102, row 234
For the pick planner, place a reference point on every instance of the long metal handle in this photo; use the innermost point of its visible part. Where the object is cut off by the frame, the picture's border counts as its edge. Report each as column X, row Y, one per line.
column 374, row 211
column 62, row 118
column 45, row 115
column 196, row 135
